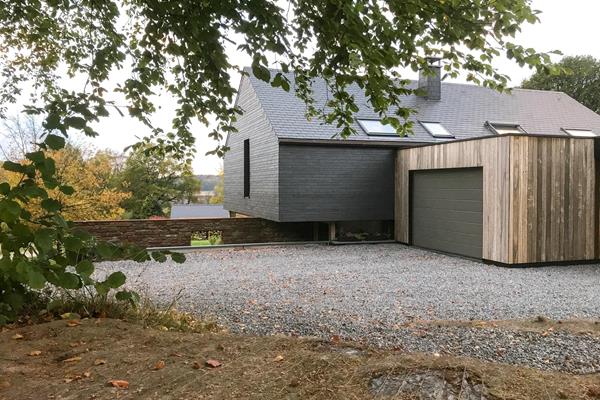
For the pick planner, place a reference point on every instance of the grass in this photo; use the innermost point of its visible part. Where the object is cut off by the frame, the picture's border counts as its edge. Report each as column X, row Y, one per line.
column 73, row 357
column 200, row 243
column 77, row 361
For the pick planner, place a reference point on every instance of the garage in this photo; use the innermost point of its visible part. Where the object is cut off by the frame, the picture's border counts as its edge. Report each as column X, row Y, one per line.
column 447, row 210
column 511, row 199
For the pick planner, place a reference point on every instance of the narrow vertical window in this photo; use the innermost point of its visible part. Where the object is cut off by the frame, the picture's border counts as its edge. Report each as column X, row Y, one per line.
column 247, row 168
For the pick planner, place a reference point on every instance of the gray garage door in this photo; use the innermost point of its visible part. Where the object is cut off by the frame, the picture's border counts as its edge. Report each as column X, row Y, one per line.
column 447, row 210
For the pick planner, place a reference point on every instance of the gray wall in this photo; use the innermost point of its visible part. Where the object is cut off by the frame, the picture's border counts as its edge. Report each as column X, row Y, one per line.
column 342, row 183
column 253, row 124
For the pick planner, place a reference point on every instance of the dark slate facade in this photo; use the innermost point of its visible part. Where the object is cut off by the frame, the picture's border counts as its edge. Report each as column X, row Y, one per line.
column 336, row 183
column 263, row 201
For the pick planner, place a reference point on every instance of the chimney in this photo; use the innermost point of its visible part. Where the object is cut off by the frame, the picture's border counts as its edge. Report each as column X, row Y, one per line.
column 430, row 80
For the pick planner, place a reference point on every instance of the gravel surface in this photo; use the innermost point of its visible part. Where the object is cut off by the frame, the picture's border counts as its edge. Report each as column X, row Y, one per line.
column 363, row 292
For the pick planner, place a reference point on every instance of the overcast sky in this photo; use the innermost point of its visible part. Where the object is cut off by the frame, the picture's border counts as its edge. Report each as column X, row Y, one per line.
column 569, row 26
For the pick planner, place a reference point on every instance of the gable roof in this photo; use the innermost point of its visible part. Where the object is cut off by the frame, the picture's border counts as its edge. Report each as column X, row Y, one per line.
column 463, row 111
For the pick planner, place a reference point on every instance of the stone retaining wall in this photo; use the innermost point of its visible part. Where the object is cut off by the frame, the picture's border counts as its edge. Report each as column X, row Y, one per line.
column 178, row 232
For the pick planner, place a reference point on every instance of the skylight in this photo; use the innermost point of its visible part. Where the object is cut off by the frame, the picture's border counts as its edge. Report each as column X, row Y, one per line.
column 436, row 130
column 502, row 128
column 375, row 127
column 580, row 132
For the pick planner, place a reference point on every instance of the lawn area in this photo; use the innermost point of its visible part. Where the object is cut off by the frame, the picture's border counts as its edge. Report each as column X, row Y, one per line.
column 66, row 360
column 200, row 243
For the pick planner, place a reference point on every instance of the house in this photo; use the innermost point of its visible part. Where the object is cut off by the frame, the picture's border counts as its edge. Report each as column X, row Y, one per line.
column 508, row 178
column 198, row 211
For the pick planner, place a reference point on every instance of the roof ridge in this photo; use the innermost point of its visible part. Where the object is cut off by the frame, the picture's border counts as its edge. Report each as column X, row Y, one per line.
column 472, row 85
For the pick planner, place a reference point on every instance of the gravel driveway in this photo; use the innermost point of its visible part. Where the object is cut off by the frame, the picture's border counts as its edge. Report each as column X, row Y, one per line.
column 363, row 292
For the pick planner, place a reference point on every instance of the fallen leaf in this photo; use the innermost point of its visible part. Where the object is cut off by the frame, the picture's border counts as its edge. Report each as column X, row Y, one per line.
column 70, row 315
column 278, row 358
column 17, row 336
column 196, row 365
column 213, row 363
column 67, row 380
column 99, row 361
column 119, row 384
column 87, row 374
column 72, row 323
column 335, row 339
column 159, row 365
column 34, row 353
column 72, row 359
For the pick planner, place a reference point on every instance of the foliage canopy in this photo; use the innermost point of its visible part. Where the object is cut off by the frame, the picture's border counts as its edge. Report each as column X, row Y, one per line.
column 579, row 78
column 155, row 181
column 70, row 58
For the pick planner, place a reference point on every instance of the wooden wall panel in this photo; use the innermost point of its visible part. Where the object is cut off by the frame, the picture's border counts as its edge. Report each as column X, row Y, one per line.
column 552, row 203
column 539, row 194
column 491, row 154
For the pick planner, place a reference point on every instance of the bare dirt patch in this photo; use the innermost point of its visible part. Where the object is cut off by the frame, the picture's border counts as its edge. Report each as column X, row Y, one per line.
column 55, row 360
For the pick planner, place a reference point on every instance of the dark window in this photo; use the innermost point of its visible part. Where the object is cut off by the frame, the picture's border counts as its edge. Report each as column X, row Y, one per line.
column 247, row 168
column 502, row 128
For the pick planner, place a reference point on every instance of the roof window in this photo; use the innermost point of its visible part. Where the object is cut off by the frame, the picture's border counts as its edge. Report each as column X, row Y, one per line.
column 580, row 132
column 503, row 128
column 437, row 130
column 375, row 127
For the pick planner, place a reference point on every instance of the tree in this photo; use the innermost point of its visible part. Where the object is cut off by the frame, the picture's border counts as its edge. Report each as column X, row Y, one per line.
column 66, row 54
column 219, row 189
column 154, row 182
column 89, row 173
column 580, row 79
column 90, row 176
column 18, row 136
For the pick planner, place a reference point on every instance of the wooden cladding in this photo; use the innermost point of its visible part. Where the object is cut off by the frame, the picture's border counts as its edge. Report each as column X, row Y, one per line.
column 539, row 197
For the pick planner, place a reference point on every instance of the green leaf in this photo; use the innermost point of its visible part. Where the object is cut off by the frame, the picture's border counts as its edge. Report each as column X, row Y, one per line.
column 125, row 295
column 4, row 188
column 72, row 243
column 44, row 239
column 55, row 142
column 66, row 189
column 261, row 72
column 75, row 122
column 159, row 256
column 52, row 121
column 105, row 250
column 68, row 280
column 36, row 156
column 11, row 208
column 102, row 288
column 15, row 300
column 35, row 278
column 14, row 167
column 85, row 267
column 51, row 205
column 115, row 280
column 82, row 235
column 179, row 258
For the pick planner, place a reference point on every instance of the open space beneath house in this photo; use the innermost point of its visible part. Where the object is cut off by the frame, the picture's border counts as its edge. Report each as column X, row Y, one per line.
column 381, row 295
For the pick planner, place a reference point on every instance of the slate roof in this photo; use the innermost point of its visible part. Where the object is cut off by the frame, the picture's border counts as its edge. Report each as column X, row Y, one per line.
column 198, row 211
column 463, row 110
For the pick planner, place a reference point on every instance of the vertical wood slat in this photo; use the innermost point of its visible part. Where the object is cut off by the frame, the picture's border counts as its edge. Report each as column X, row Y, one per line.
column 539, row 194
column 492, row 155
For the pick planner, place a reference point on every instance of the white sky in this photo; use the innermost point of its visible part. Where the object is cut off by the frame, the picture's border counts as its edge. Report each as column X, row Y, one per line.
column 569, row 26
